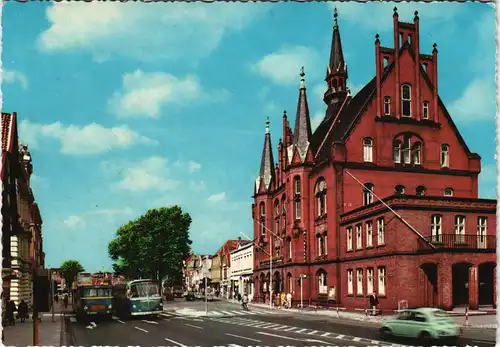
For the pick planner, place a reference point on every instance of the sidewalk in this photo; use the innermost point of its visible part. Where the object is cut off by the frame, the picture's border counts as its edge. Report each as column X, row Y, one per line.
column 474, row 321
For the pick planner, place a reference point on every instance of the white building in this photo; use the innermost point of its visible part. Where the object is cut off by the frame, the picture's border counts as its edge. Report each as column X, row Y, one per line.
column 242, row 269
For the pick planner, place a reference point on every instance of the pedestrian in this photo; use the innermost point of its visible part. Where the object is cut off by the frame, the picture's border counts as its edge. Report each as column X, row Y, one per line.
column 11, row 308
column 23, row 311
column 373, row 304
column 283, row 299
column 65, row 301
column 289, row 300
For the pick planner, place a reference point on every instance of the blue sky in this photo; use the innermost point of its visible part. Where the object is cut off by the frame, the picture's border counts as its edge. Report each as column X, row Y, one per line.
column 126, row 107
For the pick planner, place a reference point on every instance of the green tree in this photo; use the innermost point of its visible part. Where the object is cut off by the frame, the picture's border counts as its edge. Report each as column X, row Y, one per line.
column 154, row 245
column 69, row 269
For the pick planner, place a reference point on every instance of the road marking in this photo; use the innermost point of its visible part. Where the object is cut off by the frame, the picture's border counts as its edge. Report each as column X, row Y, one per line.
column 290, row 329
column 120, row 321
column 375, row 342
column 243, row 337
column 301, row 330
column 339, row 336
column 72, row 319
column 325, row 334
column 216, row 313
column 280, row 327
column 281, row 337
column 193, row 326
column 273, row 325
column 197, row 320
column 177, row 343
column 233, row 345
column 313, row 332
column 229, row 313
column 141, row 329
column 149, row 321
column 317, row 341
column 357, row 339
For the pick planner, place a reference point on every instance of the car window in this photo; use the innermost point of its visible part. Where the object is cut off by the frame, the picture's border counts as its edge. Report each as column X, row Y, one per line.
column 419, row 317
column 405, row 315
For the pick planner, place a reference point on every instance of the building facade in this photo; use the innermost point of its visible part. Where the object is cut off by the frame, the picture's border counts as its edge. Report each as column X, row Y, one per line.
column 382, row 197
column 215, row 274
column 242, row 269
column 23, row 256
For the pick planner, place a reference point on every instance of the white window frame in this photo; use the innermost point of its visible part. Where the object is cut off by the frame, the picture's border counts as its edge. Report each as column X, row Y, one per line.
column 369, row 234
column 369, row 281
column 460, row 229
column 262, row 228
column 350, row 287
column 387, row 106
column 359, row 282
column 482, row 231
column 445, row 155
column 321, row 279
column 368, row 150
column 420, row 191
column 298, row 209
column 320, row 245
column 349, row 239
column 262, row 209
column 325, row 244
column 296, row 185
column 359, row 236
column 396, row 151
column 381, row 278
column 425, row 110
column 416, row 153
column 406, row 150
column 289, row 249
column 368, row 194
column 437, row 228
column 448, row 192
column 403, row 100
column 380, row 231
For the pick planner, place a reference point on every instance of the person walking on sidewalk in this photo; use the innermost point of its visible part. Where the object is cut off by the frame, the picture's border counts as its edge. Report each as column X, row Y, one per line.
column 11, row 308
column 65, row 301
column 373, row 304
column 23, row 311
column 289, row 300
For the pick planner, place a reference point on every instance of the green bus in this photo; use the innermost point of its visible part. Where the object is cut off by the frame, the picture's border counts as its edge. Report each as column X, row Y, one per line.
column 93, row 295
column 137, row 298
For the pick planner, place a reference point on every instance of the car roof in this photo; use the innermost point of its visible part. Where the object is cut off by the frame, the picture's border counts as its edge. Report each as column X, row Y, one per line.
column 422, row 310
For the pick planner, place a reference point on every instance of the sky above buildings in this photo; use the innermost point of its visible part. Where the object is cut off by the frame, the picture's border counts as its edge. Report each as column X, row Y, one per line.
column 126, row 107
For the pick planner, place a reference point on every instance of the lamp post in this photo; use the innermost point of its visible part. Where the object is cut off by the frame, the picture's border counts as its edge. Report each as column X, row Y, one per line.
column 52, row 294
column 270, row 260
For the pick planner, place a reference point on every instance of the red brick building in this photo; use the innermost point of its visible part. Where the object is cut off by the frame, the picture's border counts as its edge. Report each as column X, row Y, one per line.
column 382, row 197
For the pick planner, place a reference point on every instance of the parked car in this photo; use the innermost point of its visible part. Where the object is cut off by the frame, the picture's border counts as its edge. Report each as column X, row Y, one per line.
column 425, row 324
column 198, row 296
column 190, row 296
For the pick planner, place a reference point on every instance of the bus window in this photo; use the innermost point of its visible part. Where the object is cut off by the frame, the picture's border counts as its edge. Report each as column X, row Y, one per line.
column 97, row 292
column 144, row 289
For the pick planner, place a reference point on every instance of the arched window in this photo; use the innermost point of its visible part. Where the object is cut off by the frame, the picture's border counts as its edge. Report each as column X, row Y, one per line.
column 448, row 192
column 262, row 209
column 368, row 194
column 399, row 189
column 405, row 100
column 387, row 106
column 297, row 203
column 425, row 110
column 396, row 152
column 416, row 152
column 445, row 155
column 321, row 244
column 320, row 194
column 276, row 208
column 322, row 279
column 406, row 150
column 283, row 213
column 420, row 190
column 368, row 149
column 290, row 282
column 289, row 247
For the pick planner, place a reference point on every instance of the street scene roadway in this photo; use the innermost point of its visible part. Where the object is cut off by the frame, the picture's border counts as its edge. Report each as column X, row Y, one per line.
column 184, row 324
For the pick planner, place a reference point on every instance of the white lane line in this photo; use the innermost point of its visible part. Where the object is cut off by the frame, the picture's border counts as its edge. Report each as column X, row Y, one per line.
column 357, row 339
column 339, row 336
column 290, row 329
column 301, row 330
column 120, row 321
column 313, row 332
column 141, row 329
column 279, row 336
column 197, row 320
column 280, row 327
column 243, row 337
column 233, row 345
column 149, row 321
column 326, row 334
column 193, row 326
column 240, row 313
column 216, row 313
column 175, row 342
column 375, row 342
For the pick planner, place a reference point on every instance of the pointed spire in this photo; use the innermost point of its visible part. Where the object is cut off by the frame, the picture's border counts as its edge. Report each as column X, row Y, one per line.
column 302, row 132
column 267, row 172
column 336, row 55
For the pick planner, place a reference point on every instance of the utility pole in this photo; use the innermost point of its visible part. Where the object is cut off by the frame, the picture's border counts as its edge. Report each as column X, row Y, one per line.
column 52, row 294
column 301, row 292
column 206, row 297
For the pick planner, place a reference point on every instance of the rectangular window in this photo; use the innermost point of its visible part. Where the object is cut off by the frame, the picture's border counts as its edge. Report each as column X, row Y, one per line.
column 406, row 150
column 481, row 232
column 381, row 281
column 349, row 238
column 297, row 209
column 369, row 281
column 436, row 230
column 320, row 246
column 289, row 249
column 350, row 290
column 380, row 231
column 425, row 110
column 359, row 240
column 369, row 234
column 445, row 159
column 387, row 106
column 325, row 244
column 359, row 284
column 460, row 229
column 297, row 186
column 262, row 229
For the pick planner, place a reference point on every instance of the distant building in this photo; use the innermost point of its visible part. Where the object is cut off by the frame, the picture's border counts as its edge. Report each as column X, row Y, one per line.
column 215, row 271
column 242, row 269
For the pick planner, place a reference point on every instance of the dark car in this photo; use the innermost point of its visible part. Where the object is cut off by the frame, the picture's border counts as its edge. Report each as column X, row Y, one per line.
column 190, row 296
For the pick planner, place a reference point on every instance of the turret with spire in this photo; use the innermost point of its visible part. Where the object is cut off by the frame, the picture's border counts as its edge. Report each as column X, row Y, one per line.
column 267, row 170
column 302, row 133
column 336, row 71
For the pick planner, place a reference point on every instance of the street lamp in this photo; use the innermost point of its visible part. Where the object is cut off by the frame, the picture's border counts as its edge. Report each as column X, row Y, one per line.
column 270, row 260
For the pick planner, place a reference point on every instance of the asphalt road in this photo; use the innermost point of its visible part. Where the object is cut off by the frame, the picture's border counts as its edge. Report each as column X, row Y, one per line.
column 252, row 330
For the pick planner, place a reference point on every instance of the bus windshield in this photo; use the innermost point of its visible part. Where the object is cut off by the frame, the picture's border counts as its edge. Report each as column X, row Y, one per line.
column 96, row 292
column 143, row 289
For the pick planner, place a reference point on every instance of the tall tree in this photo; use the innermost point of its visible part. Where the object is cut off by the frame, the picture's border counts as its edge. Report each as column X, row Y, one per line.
column 154, row 245
column 69, row 269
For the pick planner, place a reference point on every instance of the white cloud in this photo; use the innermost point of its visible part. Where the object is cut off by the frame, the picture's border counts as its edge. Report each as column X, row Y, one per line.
column 217, row 197
column 317, row 119
column 73, row 221
column 193, row 166
column 144, row 32
column 197, row 186
column 149, row 174
column 488, row 181
column 378, row 15
column 355, row 88
column 283, row 67
column 12, row 76
column 144, row 94
column 82, row 140
column 76, row 221
column 477, row 103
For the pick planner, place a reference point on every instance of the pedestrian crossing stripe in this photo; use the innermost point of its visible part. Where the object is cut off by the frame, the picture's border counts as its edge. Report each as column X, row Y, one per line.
column 311, row 332
column 219, row 313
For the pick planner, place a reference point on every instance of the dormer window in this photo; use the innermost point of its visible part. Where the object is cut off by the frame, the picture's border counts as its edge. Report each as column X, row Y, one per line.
column 405, row 100
column 387, row 106
column 425, row 110
column 368, row 149
column 448, row 192
column 445, row 156
column 399, row 189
